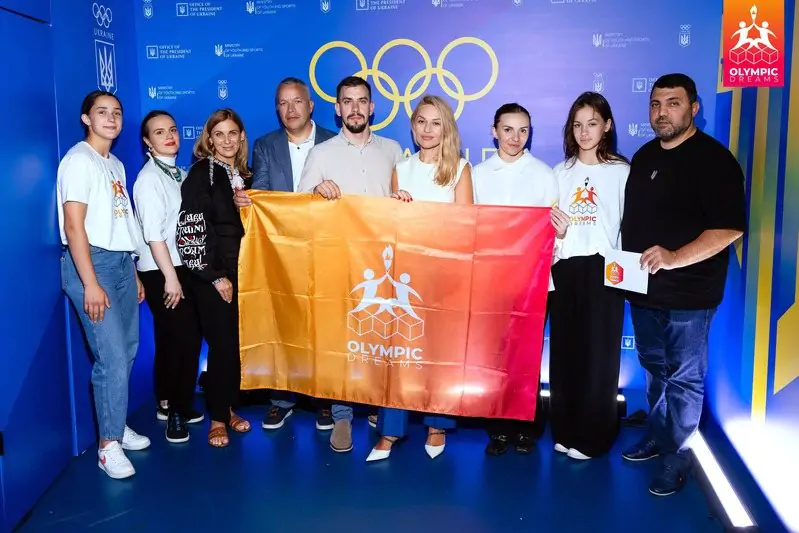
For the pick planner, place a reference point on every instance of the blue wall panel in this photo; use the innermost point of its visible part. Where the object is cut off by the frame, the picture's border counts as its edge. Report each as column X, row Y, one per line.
column 37, row 9
column 95, row 49
column 34, row 395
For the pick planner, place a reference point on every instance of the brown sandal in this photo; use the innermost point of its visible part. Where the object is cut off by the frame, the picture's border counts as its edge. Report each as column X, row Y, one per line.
column 238, row 424
column 218, row 433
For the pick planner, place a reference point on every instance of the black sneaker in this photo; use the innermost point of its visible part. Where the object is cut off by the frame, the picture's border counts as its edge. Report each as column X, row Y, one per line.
column 670, row 480
column 161, row 412
column 524, row 444
column 177, row 430
column 642, row 451
column 276, row 417
column 193, row 417
column 498, row 445
column 324, row 422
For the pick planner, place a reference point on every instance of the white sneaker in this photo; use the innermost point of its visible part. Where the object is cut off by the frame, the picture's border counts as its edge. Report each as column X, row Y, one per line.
column 133, row 441
column 113, row 461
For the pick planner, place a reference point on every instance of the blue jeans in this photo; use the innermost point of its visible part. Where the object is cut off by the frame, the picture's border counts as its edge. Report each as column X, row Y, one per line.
column 394, row 422
column 672, row 347
column 114, row 340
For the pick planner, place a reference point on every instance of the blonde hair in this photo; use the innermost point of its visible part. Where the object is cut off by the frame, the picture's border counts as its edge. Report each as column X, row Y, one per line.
column 204, row 148
column 450, row 149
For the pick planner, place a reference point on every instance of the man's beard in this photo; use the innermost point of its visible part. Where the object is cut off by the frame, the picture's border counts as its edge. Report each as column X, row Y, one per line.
column 356, row 128
column 672, row 133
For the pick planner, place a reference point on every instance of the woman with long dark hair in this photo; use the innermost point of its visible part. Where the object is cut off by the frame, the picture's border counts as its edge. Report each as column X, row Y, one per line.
column 176, row 324
column 586, row 317
column 100, row 233
column 209, row 232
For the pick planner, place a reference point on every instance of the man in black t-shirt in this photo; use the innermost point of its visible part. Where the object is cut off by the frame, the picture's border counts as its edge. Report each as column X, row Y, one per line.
column 684, row 205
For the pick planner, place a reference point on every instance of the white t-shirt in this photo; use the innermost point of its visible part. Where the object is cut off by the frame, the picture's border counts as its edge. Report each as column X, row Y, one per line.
column 299, row 153
column 527, row 182
column 593, row 197
column 99, row 182
column 418, row 179
column 157, row 198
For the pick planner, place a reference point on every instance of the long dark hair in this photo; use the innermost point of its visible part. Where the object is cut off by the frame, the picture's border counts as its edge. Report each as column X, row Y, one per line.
column 88, row 103
column 606, row 151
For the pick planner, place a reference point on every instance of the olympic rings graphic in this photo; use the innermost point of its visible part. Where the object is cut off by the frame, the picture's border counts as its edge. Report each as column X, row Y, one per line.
column 102, row 14
column 444, row 76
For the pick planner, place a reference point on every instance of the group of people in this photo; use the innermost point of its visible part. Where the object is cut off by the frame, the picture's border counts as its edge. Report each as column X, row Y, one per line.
column 679, row 203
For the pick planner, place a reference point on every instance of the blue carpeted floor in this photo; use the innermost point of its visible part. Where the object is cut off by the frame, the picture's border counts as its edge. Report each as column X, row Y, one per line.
column 289, row 481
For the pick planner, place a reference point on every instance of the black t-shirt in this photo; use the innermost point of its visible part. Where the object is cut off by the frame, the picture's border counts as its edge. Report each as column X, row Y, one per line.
column 672, row 197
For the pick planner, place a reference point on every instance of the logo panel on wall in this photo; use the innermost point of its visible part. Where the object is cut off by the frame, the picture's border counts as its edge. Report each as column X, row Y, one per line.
column 197, row 9
column 269, row 7
column 385, row 84
column 222, row 90
column 754, row 49
column 618, row 40
column 147, row 8
column 105, row 59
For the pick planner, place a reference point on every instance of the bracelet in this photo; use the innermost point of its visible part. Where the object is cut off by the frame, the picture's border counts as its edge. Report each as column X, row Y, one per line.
column 217, row 281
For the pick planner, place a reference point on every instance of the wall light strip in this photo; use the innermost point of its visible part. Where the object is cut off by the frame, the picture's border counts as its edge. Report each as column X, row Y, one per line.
column 735, row 510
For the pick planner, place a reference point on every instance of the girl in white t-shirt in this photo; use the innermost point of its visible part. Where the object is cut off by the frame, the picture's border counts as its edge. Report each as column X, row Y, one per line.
column 436, row 173
column 100, row 233
column 586, row 317
column 514, row 177
column 176, row 325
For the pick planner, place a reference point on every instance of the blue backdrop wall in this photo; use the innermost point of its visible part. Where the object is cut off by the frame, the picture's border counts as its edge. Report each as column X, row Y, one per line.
column 34, row 392
column 195, row 57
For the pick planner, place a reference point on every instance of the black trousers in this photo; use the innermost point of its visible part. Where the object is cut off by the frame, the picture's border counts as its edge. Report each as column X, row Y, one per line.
column 220, row 326
column 511, row 429
column 585, row 354
column 178, row 340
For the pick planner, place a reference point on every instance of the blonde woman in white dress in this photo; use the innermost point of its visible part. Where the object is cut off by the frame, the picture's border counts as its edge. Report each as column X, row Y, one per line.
column 436, row 173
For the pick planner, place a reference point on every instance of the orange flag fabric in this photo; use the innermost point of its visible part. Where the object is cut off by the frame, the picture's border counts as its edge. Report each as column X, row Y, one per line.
column 423, row 306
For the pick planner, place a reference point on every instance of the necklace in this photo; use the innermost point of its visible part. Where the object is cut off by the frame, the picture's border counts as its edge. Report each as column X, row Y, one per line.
column 172, row 172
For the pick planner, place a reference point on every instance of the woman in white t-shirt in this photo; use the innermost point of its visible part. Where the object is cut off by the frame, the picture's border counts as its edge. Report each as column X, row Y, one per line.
column 100, row 233
column 436, row 173
column 514, row 177
column 172, row 303
column 586, row 317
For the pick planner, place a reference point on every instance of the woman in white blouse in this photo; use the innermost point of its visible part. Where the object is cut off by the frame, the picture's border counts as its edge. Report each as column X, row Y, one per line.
column 514, row 177
column 436, row 173
column 586, row 317
column 178, row 340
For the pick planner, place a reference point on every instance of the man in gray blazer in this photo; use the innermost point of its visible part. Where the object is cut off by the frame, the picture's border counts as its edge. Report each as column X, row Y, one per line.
column 278, row 158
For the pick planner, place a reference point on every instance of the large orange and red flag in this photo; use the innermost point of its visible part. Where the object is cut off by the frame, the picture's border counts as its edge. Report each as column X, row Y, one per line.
column 423, row 306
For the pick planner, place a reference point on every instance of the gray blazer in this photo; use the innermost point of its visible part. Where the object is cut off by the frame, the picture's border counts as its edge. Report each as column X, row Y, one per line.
column 271, row 161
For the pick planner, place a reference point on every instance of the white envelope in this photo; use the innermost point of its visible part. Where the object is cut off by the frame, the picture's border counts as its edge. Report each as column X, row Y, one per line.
column 623, row 271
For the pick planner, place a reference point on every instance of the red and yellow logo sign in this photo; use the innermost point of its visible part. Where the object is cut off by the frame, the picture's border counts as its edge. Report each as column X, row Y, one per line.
column 615, row 273
column 754, row 43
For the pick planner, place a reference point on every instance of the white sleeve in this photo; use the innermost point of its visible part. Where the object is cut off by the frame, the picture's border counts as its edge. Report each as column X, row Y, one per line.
column 151, row 209
column 74, row 178
column 552, row 189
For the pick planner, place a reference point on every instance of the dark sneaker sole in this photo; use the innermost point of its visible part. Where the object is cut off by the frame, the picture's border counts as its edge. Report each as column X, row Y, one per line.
column 279, row 424
column 341, row 450
column 179, row 440
column 675, row 491
column 325, row 427
column 163, row 417
column 639, row 459
column 195, row 420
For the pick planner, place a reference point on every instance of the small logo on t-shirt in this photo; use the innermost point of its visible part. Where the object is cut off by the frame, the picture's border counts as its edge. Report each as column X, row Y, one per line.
column 583, row 207
column 120, row 200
